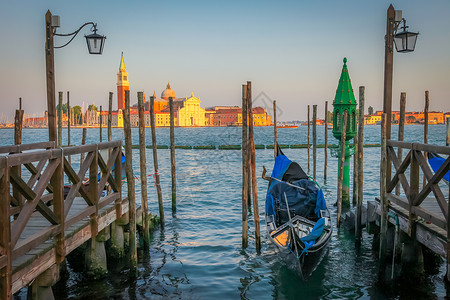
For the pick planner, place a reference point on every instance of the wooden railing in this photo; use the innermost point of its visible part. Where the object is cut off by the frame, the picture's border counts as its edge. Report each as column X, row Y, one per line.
column 416, row 162
column 33, row 183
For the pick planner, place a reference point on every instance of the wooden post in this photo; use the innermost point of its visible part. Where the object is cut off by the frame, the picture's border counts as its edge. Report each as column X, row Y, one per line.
column 447, row 139
column 60, row 119
column 172, row 155
column 5, row 232
column 245, row 168
column 383, row 198
column 143, row 166
column 275, row 128
column 355, row 171
column 101, row 123
column 130, row 184
column 308, row 139
column 155, row 160
column 83, row 142
column 110, row 117
column 341, row 169
column 253, row 167
column 57, row 182
column 314, row 140
column 50, row 77
column 388, row 75
column 17, row 170
column 68, row 121
column 326, row 143
column 425, row 128
column 360, row 193
column 401, row 132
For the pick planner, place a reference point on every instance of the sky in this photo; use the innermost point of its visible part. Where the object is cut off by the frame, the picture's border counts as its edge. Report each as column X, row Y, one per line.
column 291, row 51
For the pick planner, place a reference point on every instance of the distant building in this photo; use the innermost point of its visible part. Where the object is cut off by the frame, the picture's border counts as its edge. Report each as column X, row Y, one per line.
column 122, row 84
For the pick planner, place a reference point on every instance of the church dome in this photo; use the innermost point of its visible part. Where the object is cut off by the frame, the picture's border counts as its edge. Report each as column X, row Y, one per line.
column 168, row 92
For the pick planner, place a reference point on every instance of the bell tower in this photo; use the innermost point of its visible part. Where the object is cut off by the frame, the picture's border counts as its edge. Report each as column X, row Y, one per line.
column 122, row 84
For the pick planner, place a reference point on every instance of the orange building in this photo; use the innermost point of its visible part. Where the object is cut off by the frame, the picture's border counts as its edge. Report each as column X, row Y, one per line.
column 122, row 84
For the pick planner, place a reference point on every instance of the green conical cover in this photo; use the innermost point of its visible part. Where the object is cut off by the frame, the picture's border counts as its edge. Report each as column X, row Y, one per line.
column 344, row 92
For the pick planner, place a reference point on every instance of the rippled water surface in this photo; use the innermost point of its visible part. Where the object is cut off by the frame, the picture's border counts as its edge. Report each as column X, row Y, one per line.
column 198, row 255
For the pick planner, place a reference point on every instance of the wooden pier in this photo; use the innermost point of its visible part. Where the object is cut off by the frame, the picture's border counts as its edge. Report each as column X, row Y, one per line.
column 42, row 218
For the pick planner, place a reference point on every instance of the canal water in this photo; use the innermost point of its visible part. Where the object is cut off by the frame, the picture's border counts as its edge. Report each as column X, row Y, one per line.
column 198, row 255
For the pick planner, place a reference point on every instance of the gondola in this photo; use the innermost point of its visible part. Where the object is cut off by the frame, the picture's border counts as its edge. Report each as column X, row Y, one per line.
column 298, row 222
column 436, row 161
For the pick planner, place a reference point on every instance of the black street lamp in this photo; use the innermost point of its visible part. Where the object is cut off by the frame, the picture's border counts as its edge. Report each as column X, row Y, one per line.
column 95, row 43
column 405, row 41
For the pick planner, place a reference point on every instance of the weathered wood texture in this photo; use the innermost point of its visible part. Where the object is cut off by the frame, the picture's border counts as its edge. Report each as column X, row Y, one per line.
column 110, row 116
column 155, row 160
column 60, row 117
column 143, row 168
column 314, row 141
column 341, row 168
column 245, row 168
column 384, row 201
column 325, row 148
column 401, row 131
column 360, row 165
column 253, row 167
column 39, row 235
column 50, row 77
column 308, row 137
column 275, row 128
column 130, row 182
column 172, row 155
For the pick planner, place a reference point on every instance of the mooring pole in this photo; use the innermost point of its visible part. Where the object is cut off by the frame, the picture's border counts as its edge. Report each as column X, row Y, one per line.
column 253, row 167
column 308, row 139
column 383, row 198
column 341, row 167
column 425, row 128
column 110, row 117
column 60, row 119
column 155, row 160
column 130, row 184
column 50, row 77
column 143, row 166
column 401, row 132
column 18, row 123
column 83, row 142
column 101, row 123
column 245, row 168
column 68, row 120
column 326, row 143
column 275, row 128
column 447, row 139
column 358, row 229
column 314, row 140
column 172, row 155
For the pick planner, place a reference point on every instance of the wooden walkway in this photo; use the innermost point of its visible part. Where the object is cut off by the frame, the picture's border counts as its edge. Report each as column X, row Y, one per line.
column 48, row 209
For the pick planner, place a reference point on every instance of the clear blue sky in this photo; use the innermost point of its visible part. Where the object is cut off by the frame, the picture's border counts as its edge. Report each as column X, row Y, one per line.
column 292, row 51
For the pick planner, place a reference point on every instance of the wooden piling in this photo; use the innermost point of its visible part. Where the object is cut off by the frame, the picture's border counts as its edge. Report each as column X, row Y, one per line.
column 68, row 120
column 308, row 139
column 275, row 128
column 60, row 119
column 83, row 142
column 101, row 123
column 314, row 140
column 143, row 166
column 130, row 184
column 326, row 143
column 155, row 160
column 245, row 168
column 425, row 128
column 447, row 139
column 341, row 169
column 110, row 117
column 172, row 155
column 401, row 132
column 383, row 198
column 16, row 170
column 360, row 192
column 5, row 235
column 253, row 167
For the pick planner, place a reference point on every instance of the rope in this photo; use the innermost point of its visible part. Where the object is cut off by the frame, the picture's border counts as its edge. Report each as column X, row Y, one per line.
column 288, row 183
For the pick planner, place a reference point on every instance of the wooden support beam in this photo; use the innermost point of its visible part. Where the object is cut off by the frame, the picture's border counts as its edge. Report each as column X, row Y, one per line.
column 110, row 116
column 325, row 148
column 5, row 233
column 314, row 141
column 155, row 160
column 143, row 169
column 360, row 165
column 401, row 131
column 245, row 168
column 341, row 169
column 275, row 128
column 60, row 117
column 308, row 137
column 172, row 155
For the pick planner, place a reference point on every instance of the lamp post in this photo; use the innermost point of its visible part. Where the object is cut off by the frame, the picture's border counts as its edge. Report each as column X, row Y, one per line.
column 95, row 43
column 405, row 42
column 344, row 101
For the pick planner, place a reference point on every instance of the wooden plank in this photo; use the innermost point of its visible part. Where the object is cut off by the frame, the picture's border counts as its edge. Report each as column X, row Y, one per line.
column 107, row 200
column 26, row 147
column 34, row 240
column 430, row 217
column 5, row 233
column 399, row 144
column 79, row 216
column 24, row 158
column 107, row 145
column 29, row 207
column 440, row 198
column 106, row 169
column 431, row 148
column 400, row 170
column 73, row 150
column 398, row 200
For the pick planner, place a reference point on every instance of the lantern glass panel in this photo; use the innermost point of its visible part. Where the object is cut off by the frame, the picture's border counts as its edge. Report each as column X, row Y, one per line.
column 405, row 41
column 95, row 43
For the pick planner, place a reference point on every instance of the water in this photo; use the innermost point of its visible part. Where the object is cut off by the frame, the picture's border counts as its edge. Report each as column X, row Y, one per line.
column 199, row 256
